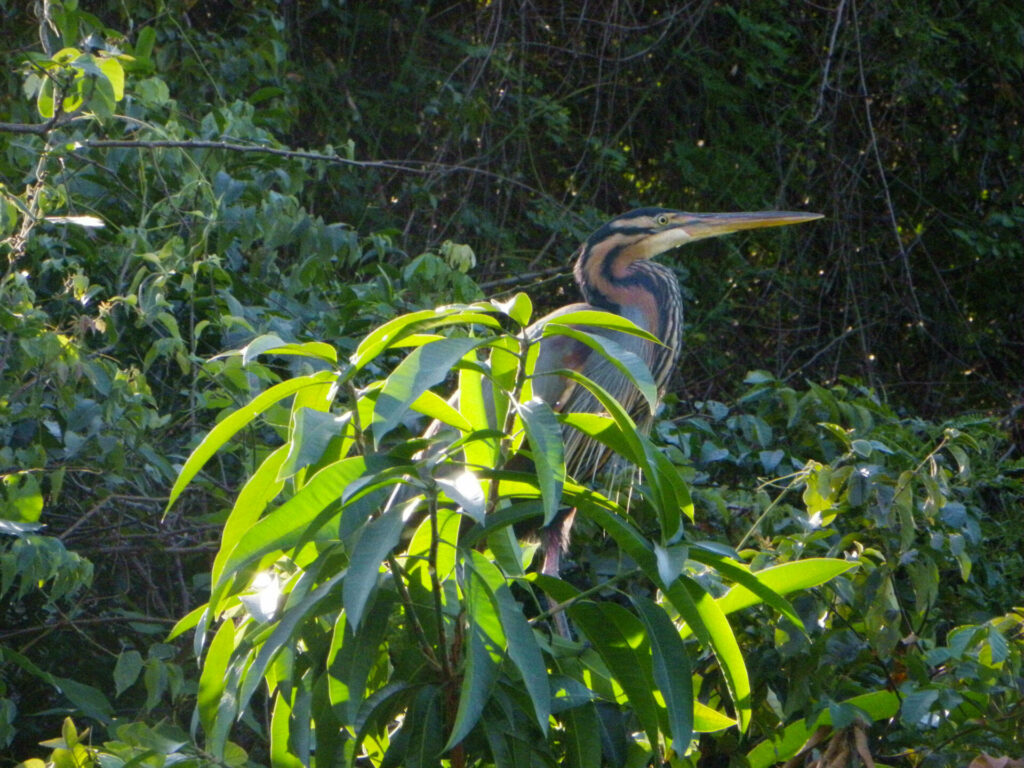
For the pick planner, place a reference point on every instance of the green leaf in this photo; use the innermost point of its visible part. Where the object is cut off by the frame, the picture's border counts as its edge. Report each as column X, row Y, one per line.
column 626, row 361
column 613, row 519
column 235, row 421
column 394, row 331
column 545, row 436
column 353, row 655
column 620, row 640
column 916, row 705
column 742, row 575
column 295, row 612
column 785, row 578
column 312, row 431
column 211, row 703
column 478, row 416
column 259, row 490
column 282, row 754
column 144, row 44
column 422, row 732
column 672, row 671
column 671, row 493
column 519, row 308
column 21, row 498
column 708, row 720
column 522, row 642
column 671, row 561
column 631, row 446
column 466, row 491
column 114, row 73
column 378, row 538
column 599, row 319
column 272, row 344
column 486, row 645
column 126, row 670
column 286, row 525
column 708, row 622
column 44, row 100
column 583, row 748
column 433, row 406
column 424, row 367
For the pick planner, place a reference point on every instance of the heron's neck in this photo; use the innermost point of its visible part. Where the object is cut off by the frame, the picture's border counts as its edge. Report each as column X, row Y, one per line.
column 645, row 292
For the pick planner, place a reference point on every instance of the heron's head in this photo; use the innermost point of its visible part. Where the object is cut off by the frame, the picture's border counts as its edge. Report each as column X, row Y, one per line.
column 607, row 270
column 648, row 232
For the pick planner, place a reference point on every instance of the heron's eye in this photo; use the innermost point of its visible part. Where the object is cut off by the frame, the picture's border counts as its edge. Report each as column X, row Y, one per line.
column 661, row 220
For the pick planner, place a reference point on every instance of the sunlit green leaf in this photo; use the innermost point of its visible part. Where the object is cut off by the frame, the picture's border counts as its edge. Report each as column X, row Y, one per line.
column 272, row 344
column 605, row 320
column 625, row 360
column 784, row 579
column 425, row 367
column 671, row 670
column 706, row 619
column 622, row 642
column 238, row 419
column 212, row 679
column 392, row 332
column 286, row 525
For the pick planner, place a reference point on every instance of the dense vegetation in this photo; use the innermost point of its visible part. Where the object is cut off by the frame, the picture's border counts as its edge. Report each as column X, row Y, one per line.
column 179, row 180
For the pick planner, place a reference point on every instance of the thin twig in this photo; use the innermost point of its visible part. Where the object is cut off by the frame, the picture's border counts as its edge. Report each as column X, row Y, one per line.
column 890, row 206
column 828, row 60
column 397, row 575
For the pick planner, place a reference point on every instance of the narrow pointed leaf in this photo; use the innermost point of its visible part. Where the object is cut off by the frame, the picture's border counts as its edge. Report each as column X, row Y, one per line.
column 291, row 617
column 424, row 367
column 742, row 575
column 606, row 320
column 705, row 618
column 377, row 540
column 620, row 640
column 235, row 421
column 422, row 734
column 212, row 681
column 708, row 720
column 612, row 519
column 632, row 446
column 285, row 526
column 583, row 749
column 522, row 643
column 626, row 361
column 433, row 406
column 272, row 344
column 400, row 328
column 672, row 670
column 785, row 578
column 352, row 656
column 483, row 655
column 282, row 754
column 545, row 436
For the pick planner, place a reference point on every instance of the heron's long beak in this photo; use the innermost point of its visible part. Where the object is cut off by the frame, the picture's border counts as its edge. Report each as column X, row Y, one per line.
column 701, row 225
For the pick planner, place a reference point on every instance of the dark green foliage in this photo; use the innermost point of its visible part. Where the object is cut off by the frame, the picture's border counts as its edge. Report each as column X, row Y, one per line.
column 515, row 129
